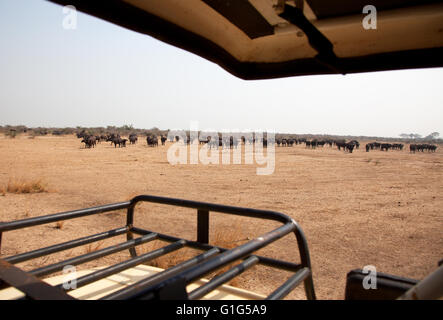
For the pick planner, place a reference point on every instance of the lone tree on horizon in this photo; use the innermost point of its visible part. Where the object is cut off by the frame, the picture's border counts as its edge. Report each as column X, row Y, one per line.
column 432, row 136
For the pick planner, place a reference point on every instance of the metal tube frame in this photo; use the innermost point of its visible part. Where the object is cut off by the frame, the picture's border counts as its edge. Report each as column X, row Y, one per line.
column 171, row 282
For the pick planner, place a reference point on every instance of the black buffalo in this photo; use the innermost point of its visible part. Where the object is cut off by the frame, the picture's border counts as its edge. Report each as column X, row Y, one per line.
column 163, row 140
column 120, row 142
column 152, row 141
column 133, row 138
column 89, row 141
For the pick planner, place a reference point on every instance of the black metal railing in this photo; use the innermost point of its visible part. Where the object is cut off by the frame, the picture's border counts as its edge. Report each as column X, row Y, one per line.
column 170, row 283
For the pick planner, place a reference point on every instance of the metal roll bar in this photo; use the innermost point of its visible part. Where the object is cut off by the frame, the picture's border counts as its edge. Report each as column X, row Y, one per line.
column 170, row 283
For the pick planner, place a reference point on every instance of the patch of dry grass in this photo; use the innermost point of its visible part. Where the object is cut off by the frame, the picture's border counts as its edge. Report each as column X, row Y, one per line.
column 59, row 224
column 223, row 238
column 229, row 239
column 24, row 186
column 169, row 260
column 94, row 246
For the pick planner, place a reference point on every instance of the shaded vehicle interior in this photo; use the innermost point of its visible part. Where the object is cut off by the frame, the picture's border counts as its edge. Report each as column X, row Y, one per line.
column 263, row 39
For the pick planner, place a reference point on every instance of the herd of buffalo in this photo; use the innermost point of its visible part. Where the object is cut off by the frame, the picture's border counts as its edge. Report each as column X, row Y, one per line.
column 91, row 141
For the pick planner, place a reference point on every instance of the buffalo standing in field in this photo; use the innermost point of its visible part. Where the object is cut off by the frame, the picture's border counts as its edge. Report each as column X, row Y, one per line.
column 422, row 147
column 112, row 137
column 89, row 141
column 356, row 143
column 120, row 142
column 163, row 140
column 284, row 142
column 314, row 143
column 133, row 138
column 385, row 146
column 233, row 142
column 347, row 146
column 377, row 145
column 340, row 144
column 373, row 145
column 116, row 140
column 152, row 141
column 350, row 146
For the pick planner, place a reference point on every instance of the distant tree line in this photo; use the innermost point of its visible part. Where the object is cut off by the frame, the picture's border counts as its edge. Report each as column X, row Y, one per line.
column 126, row 130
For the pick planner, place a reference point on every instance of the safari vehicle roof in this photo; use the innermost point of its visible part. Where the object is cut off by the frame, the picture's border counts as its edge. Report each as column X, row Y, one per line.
column 262, row 39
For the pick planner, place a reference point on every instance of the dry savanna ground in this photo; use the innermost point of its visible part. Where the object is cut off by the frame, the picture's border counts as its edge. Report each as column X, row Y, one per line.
column 377, row 208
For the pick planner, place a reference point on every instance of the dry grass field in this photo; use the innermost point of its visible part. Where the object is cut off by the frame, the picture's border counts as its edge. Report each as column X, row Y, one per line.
column 377, row 208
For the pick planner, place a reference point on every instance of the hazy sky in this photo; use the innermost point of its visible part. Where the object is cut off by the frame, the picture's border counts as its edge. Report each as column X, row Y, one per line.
column 101, row 74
